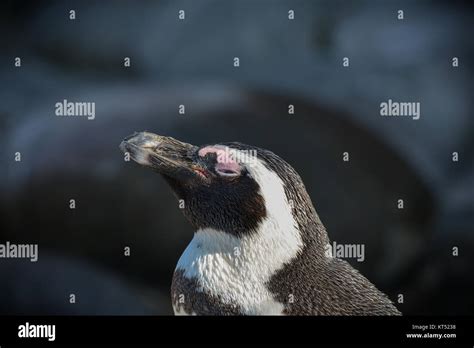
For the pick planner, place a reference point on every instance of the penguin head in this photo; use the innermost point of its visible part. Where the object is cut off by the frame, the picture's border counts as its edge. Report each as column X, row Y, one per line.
column 228, row 187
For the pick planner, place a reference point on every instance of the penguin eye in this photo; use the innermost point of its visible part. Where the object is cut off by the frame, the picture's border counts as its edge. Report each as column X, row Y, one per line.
column 228, row 169
column 222, row 159
column 227, row 172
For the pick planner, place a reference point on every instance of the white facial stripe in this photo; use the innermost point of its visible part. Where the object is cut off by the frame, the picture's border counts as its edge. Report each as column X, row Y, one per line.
column 237, row 269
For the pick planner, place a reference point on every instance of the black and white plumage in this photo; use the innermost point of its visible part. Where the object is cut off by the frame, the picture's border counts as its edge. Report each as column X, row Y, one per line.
column 259, row 246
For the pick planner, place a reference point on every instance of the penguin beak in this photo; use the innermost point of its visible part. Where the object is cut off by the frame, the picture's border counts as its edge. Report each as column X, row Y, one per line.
column 166, row 155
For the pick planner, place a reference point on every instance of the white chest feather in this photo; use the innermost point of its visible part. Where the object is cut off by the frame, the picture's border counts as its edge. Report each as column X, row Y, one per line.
column 237, row 270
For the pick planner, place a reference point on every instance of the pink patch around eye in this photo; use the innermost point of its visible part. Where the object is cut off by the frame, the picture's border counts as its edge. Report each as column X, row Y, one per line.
column 226, row 163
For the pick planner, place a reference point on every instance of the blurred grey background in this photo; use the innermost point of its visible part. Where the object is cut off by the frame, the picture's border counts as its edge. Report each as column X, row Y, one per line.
column 190, row 62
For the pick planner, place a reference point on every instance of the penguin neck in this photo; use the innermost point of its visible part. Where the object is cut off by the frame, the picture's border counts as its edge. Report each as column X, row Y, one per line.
column 312, row 231
column 237, row 269
column 266, row 249
column 278, row 240
column 288, row 205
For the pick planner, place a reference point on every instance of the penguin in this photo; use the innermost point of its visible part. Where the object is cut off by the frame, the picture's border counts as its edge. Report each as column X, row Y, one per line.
column 259, row 247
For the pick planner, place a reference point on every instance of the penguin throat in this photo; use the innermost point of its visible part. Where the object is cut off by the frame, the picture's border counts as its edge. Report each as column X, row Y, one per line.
column 237, row 269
